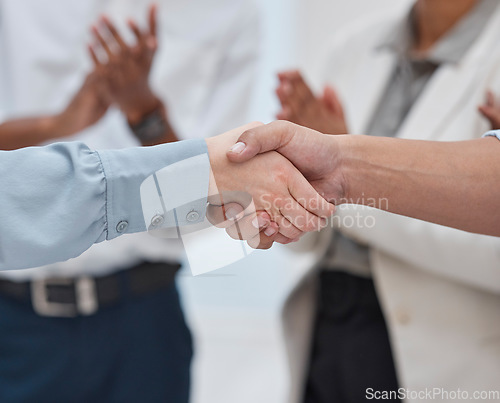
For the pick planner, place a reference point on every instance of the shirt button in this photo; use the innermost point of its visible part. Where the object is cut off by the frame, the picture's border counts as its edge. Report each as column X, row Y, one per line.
column 193, row 216
column 122, row 227
column 157, row 220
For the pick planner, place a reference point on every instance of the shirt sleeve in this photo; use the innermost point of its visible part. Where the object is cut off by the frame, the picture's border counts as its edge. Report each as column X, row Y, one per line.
column 494, row 133
column 59, row 200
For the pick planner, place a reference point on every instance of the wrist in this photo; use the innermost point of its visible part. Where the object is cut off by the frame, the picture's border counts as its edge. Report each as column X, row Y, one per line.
column 142, row 107
column 347, row 148
column 55, row 126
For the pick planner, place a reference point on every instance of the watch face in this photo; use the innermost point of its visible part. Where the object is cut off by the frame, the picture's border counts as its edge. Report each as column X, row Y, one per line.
column 151, row 128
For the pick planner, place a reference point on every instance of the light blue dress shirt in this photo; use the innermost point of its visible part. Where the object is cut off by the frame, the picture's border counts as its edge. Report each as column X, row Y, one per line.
column 57, row 201
column 494, row 133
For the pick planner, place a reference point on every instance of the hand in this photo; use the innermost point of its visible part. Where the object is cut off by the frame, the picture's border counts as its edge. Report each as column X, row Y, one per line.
column 317, row 156
column 301, row 106
column 491, row 110
column 86, row 108
column 127, row 67
column 275, row 186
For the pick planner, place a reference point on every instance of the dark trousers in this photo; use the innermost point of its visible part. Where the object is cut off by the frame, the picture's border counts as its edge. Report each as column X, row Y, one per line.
column 138, row 350
column 351, row 351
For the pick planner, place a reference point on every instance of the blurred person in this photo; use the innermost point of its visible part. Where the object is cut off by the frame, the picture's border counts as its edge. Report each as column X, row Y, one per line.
column 401, row 303
column 131, row 342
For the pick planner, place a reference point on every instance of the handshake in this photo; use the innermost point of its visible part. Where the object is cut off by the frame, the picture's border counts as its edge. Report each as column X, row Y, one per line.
column 296, row 176
column 273, row 183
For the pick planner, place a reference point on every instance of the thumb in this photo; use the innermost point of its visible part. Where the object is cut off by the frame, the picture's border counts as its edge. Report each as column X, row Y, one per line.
column 332, row 101
column 261, row 139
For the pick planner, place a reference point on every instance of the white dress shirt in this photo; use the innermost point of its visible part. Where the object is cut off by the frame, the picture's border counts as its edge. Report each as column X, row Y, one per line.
column 203, row 71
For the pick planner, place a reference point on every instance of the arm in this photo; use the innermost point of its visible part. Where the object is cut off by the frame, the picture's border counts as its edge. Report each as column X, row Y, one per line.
column 454, row 184
column 88, row 106
column 126, row 69
column 299, row 105
column 59, row 200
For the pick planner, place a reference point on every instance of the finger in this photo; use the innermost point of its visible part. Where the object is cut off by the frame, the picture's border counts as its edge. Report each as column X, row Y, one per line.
column 283, row 239
column 302, row 219
column 307, row 197
column 136, row 31
column 286, row 228
column 303, row 91
column 115, row 34
column 102, row 42
column 263, row 241
column 280, row 93
column 492, row 114
column 224, row 216
column 287, row 75
column 153, row 12
column 250, row 226
column 261, row 139
column 286, row 111
column 490, row 98
column 284, row 114
column 290, row 97
column 332, row 101
column 93, row 55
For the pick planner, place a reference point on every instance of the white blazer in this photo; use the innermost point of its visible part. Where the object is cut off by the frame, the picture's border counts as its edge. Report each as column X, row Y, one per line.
column 439, row 287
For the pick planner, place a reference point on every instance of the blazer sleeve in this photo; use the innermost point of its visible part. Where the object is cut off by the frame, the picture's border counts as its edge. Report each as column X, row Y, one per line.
column 461, row 256
column 59, row 200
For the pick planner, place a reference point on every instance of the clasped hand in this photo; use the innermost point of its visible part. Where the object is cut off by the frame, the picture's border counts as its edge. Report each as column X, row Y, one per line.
column 290, row 182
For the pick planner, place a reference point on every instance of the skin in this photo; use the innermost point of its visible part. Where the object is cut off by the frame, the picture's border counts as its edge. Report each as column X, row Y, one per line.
column 279, row 192
column 126, row 69
column 121, row 80
column 448, row 183
column 491, row 110
column 87, row 107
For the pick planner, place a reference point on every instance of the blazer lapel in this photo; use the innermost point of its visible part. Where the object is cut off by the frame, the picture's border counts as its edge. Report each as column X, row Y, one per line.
column 448, row 88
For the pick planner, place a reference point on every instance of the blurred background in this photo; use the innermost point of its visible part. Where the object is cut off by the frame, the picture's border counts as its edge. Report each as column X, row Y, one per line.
column 397, row 302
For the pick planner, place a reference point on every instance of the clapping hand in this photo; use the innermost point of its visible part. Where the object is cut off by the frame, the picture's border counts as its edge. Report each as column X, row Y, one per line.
column 126, row 67
column 491, row 110
column 299, row 105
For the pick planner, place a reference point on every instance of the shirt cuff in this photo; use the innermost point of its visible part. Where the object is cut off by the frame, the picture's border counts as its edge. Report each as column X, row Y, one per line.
column 494, row 133
column 180, row 175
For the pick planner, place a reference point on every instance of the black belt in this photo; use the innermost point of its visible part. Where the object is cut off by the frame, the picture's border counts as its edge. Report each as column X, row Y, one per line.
column 70, row 297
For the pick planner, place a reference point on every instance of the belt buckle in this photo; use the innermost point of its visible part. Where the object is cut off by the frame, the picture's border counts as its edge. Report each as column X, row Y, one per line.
column 85, row 294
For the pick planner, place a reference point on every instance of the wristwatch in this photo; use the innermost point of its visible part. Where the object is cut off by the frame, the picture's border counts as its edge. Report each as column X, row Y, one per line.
column 153, row 127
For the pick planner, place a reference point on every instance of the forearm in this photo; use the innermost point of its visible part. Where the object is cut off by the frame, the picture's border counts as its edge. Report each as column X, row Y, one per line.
column 102, row 196
column 20, row 133
column 454, row 184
